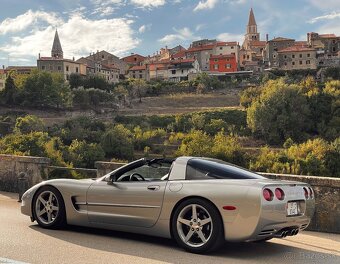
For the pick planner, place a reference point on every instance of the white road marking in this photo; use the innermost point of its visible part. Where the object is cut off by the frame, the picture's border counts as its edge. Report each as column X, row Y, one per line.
column 10, row 261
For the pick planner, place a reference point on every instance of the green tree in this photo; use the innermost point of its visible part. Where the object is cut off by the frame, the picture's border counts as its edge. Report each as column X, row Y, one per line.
column 9, row 93
column 44, row 89
column 76, row 80
column 84, row 155
column 196, row 143
column 28, row 124
column 280, row 112
column 227, row 148
column 117, row 142
column 138, row 88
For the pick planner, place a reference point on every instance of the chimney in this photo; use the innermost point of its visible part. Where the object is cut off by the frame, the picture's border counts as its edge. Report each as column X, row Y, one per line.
column 39, row 56
column 267, row 37
column 73, row 58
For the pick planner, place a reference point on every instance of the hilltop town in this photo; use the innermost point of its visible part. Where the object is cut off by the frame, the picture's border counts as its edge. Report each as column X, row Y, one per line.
column 216, row 58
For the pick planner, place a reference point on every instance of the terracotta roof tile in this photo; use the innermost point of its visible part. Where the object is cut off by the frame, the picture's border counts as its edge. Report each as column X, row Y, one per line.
column 138, row 68
column 296, row 49
column 281, row 39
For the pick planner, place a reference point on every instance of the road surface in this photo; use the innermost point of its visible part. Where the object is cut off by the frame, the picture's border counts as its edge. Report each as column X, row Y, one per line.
column 23, row 241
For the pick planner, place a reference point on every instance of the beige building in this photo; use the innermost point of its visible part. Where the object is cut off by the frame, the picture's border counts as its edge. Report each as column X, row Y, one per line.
column 105, row 58
column 297, row 58
column 138, row 72
column 109, row 72
column 227, row 48
column 272, row 47
column 56, row 63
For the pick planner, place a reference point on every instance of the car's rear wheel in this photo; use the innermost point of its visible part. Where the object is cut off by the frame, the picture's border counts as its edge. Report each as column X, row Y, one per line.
column 49, row 208
column 197, row 226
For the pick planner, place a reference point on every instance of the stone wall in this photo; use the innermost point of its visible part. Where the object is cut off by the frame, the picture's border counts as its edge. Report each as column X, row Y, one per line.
column 327, row 200
column 11, row 166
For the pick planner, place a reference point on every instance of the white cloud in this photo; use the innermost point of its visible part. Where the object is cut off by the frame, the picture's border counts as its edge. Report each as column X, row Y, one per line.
column 207, row 4
column 22, row 22
column 79, row 36
column 230, row 37
column 148, row 3
column 144, row 28
column 184, row 34
column 330, row 16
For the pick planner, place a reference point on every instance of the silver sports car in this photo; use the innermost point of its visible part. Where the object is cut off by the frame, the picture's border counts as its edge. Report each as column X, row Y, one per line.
column 199, row 202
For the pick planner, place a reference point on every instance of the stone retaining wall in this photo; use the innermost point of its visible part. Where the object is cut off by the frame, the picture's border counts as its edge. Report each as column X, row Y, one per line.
column 11, row 166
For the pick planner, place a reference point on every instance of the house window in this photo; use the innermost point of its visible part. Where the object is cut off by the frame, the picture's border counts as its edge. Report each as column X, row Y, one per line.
column 140, row 71
column 285, row 56
column 307, row 61
column 43, row 68
column 274, row 43
column 216, row 66
column 77, row 70
column 140, row 76
column 221, row 48
column 300, row 55
column 300, row 62
column 215, row 60
column 274, row 56
column 285, row 63
column 173, row 71
column 182, row 71
column 293, row 56
column 134, row 76
column 59, row 68
column 228, row 66
column 293, row 63
column 51, row 68
column 232, row 47
column 308, row 55
column 103, row 57
column 333, row 49
column 67, row 68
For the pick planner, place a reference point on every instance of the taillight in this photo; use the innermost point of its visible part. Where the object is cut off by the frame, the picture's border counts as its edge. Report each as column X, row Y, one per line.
column 279, row 194
column 311, row 194
column 306, row 192
column 268, row 194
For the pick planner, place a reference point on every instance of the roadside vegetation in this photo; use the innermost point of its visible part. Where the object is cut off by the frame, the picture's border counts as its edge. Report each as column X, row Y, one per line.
column 296, row 118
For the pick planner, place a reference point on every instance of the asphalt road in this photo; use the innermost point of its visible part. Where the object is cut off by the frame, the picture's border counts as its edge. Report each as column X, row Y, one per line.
column 23, row 241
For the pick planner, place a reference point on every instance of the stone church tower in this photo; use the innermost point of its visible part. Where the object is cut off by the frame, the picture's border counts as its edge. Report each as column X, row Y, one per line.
column 252, row 34
column 57, row 51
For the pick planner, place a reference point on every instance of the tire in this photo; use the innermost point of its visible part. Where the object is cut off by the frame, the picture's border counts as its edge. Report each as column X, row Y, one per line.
column 188, row 230
column 48, row 208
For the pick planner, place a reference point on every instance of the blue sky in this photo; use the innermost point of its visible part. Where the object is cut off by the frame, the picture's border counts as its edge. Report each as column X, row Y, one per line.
column 144, row 26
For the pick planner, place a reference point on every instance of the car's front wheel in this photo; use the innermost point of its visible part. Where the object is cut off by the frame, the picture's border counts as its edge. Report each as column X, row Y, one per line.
column 197, row 226
column 49, row 208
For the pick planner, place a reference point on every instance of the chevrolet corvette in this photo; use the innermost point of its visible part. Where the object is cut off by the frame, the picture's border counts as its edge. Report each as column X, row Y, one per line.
column 198, row 202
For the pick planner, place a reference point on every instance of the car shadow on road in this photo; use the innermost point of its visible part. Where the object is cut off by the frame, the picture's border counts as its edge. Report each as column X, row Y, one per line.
column 162, row 249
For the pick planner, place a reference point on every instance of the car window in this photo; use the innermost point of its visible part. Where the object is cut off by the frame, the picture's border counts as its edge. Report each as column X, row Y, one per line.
column 149, row 172
column 201, row 169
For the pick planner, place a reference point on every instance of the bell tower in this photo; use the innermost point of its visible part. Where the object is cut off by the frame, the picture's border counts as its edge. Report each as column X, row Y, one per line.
column 252, row 33
column 57, row 51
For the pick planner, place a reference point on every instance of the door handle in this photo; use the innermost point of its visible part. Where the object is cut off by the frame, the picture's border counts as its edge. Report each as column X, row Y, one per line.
column 153, row 187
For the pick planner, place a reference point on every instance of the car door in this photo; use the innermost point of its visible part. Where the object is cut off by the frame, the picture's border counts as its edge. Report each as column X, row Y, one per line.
column 130, row 203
